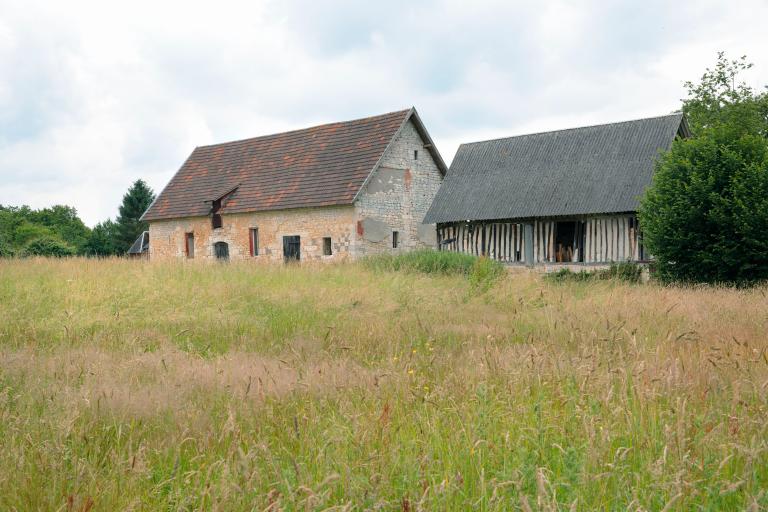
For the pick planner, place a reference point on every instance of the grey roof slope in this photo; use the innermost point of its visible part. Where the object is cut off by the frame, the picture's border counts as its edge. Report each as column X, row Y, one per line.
column 579, row 171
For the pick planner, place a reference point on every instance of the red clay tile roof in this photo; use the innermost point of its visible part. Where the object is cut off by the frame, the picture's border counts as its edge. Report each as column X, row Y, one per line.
column 320, row 166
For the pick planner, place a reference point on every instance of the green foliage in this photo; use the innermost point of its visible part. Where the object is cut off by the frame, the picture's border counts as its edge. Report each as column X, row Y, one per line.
column 26, row 231
column 481, row 272
column 484, row 273
column 135, row 203
column 705, row 217
column 625, row 271
column 719, row 99
column 47, row 246
column 21, row 225
column 426, row 261
column 103, row 240
column 6, row 249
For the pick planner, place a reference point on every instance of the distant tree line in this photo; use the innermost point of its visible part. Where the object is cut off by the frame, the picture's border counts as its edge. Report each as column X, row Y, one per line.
column 58, row 231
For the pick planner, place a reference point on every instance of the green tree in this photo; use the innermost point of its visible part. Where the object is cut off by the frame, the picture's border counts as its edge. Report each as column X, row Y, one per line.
column 6, row 249
column 64, row 222
column 102, row 241
column 48, row 246
column 705, row 217
column 135, row 203
column 21, row 224
column 25, row 231
column 719, row 99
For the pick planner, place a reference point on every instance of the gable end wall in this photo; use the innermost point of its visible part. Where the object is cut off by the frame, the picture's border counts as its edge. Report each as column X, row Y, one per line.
column 397, row 197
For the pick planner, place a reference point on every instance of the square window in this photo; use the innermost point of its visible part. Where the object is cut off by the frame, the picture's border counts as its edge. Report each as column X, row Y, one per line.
column 327, row 246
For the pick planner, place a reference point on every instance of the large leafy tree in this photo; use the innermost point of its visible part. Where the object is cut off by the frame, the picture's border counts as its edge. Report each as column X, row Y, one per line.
column 705, row 217
column 135, row 203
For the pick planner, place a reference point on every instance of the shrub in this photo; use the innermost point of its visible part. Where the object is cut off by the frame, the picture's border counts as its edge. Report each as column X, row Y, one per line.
column 47, row 246
column 624, row 271
column 6, row 251
column 480, row 271
column 705, row 217
column 484, row 273
column 427, row 261
column 565, row 274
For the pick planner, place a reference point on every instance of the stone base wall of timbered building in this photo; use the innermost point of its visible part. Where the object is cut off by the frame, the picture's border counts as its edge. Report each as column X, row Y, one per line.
column 599, row 240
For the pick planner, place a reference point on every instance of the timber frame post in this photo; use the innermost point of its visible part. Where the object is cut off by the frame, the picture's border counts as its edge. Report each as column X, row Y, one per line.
column 528, row 237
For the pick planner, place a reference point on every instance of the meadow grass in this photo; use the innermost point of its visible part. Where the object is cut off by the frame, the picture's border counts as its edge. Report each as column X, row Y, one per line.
column 128, row 385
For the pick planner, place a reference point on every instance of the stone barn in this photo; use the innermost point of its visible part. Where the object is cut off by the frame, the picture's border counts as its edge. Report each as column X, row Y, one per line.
column 562, row 197
column 325, row 193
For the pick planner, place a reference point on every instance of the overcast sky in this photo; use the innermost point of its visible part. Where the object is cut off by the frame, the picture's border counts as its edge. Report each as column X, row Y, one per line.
column 94, row 95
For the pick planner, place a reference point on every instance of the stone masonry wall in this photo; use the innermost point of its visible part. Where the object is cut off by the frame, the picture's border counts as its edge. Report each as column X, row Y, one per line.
column 166, row 238
column 397, row 198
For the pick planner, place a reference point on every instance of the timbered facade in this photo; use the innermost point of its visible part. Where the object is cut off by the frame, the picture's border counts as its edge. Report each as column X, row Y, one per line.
column 590, row 240
column 569, row 196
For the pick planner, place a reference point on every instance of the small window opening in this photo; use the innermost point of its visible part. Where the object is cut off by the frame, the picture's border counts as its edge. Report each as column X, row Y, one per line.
column 395, row 237
column 216, row 221
column 254, row 241
column 415, row 154
column 189, row 244
column 327, row 247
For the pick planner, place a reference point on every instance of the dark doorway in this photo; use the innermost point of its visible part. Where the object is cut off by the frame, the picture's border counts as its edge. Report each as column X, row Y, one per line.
column 221, row 249
column 291, row 248
column 566, row 244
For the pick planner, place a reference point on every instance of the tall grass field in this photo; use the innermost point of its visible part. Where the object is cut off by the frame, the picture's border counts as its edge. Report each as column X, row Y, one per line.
column 129, row 385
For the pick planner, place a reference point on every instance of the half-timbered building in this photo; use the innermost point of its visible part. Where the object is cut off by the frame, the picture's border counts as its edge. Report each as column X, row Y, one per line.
column 568, row 196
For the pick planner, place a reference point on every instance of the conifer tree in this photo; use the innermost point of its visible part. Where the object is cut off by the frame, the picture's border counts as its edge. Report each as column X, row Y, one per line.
column 135, row 203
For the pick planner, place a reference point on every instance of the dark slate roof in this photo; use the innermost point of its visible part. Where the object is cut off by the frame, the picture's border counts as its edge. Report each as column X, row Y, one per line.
column 580, row 171
column 141, row 245
column 319, row 166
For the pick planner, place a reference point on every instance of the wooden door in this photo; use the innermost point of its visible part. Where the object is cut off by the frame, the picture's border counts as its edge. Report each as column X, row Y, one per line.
column 222, row 250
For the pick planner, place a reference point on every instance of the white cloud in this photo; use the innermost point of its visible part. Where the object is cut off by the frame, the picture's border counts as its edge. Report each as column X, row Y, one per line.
column 94, row 95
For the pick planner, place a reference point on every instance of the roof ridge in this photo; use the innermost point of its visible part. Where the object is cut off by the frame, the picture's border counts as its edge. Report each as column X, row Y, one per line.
column 307, row 128
column 678, row 114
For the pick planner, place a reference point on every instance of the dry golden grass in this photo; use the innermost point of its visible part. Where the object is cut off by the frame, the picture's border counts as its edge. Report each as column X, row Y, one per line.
column 141, row 386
